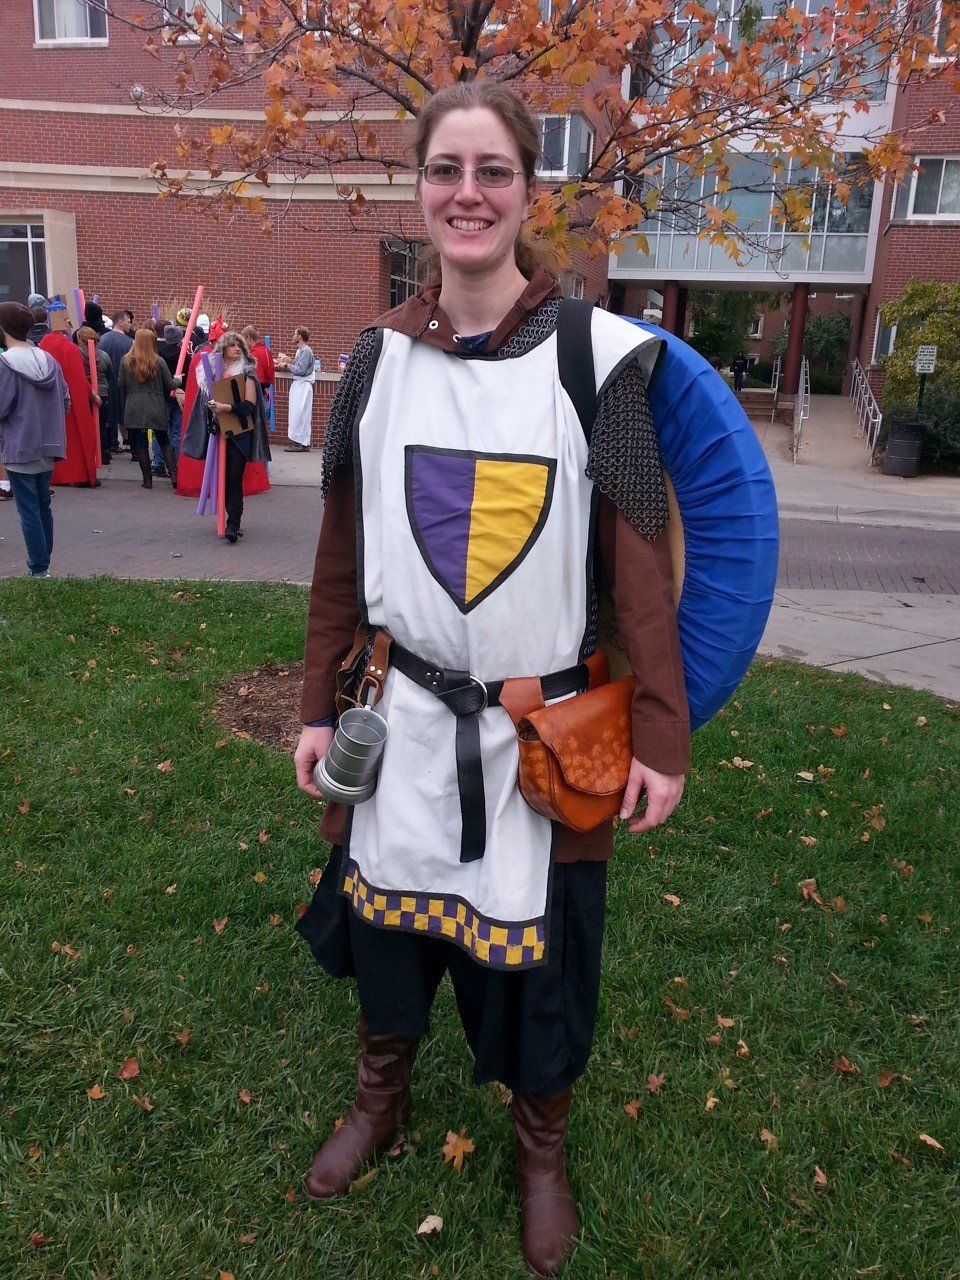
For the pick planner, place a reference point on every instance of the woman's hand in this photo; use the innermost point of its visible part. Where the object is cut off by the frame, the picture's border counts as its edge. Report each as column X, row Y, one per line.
column 663, row 795
column 96, row 399
column 179, row 396
column 219, row 407
column 313, row 746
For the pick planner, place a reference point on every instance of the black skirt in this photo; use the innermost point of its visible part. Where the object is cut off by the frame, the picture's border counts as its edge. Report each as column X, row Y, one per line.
column 531, row 1029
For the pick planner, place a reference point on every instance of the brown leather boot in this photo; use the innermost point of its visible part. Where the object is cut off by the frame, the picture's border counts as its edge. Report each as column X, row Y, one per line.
column 381, row 1106
column 170, row 462
column 550, row 1220
column 143, row 457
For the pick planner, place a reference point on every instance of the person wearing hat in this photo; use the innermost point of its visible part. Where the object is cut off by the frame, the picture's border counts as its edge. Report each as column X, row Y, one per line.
column 33, row 404
column 41, row 325
column 79, row 467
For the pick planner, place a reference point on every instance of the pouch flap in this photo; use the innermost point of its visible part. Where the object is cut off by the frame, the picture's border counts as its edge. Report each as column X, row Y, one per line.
column 589, row 736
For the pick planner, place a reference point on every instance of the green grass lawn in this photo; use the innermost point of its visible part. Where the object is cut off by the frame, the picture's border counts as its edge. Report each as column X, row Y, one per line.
column 767, row 1059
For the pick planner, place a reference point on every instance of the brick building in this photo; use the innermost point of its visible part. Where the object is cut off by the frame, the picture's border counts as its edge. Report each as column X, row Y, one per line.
column 80, row 126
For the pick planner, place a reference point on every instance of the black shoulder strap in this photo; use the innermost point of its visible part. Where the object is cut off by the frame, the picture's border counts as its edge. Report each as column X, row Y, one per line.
column 575, row 359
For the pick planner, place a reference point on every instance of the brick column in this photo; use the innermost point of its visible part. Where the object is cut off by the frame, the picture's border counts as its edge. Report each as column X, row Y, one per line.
column 798, row 318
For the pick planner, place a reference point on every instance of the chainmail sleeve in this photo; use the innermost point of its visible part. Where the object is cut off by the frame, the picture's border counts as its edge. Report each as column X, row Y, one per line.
column 338, row 440
column 624, row 458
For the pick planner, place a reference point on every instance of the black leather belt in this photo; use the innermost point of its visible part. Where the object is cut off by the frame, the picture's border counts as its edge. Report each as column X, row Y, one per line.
column 466, row 696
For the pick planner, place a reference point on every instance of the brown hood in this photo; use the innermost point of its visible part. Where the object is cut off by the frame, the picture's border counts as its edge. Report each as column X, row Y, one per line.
column 422, row 316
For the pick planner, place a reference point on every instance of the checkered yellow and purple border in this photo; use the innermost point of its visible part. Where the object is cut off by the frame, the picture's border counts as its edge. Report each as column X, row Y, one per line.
column 499, row 946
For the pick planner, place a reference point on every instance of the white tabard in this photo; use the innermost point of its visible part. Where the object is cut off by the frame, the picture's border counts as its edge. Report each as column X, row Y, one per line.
column 475, row 548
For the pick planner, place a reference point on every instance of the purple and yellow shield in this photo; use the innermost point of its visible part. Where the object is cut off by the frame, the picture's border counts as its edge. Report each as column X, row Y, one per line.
column 475, row 516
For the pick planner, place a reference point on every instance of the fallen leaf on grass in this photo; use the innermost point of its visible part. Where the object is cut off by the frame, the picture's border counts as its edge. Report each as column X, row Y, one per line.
column 259, row 877
column 431, row 1224
column 770, row 1139
column 23, row 806
column 886, row 1078
column 819, row 1177
column 315, row 876
column 249, row 1238
column 171, row 888
column 456, row 1147
column 220, row 925
column 931, row 1142
column 805, row 776
column 632, row 1108
column 264, row 836
column 682, row 1014
column 364, row 1181
column 225, row 1275
column 274, row 920
column 808, row 840
column 143, row 1102
column 290, row 1195
column 165, row 766
column 654, row 1082
column 61, row 948
column 130, row 1069
column 724, row 1022
column 96, row 1093
column 245, row 1095
column 897, row 1156
column 711, row 1102
column 837, row 981
column 742, row 1050
column 846, row 1066
column 672, row 899
column 184, row 1036
column 37, row 1239
column 809, row 890
column 839, row 731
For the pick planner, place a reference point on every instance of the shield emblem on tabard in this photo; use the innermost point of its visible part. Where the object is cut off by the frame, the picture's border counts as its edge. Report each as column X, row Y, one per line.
column 475, row 516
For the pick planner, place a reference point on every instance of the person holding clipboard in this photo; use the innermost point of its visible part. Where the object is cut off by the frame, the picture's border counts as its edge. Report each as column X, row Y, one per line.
column 235, row 406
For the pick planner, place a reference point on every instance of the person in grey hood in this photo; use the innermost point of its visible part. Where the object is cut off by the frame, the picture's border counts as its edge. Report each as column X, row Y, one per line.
column 33, row 405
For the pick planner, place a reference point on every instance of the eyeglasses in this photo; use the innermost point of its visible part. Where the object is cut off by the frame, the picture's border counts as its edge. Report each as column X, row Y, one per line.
column 443, row 173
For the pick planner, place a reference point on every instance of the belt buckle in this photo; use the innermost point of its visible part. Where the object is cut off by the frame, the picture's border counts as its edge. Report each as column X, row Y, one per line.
column 483, row 688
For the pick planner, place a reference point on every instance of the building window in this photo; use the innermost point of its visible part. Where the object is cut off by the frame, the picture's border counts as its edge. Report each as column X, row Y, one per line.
column 222, row 13
column 933, row 192
column 883, row 343
column 566, row 143
column 23, row 261
column 756, row 330
column 571, row 285
column 63, row 20
column 406, row 269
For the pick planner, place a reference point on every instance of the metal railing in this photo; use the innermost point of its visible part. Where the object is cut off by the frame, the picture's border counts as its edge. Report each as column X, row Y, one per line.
column 775, row 387
column 801, row 406
column 869, row 416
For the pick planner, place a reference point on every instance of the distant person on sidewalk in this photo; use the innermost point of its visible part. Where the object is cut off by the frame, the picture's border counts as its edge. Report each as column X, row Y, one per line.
column 300, row 409
column 79, row 467
column 33, row 404
column 263, row 356
column 116, row 343
column 168, row 349
column 147, row 383
column 102, row 376
column 250, row 445
column 739, row 370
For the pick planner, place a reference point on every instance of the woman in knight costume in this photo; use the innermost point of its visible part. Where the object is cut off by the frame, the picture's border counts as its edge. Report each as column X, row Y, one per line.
column 468, row 516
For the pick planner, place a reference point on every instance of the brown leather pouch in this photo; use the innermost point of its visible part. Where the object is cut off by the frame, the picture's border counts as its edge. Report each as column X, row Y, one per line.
column 575, row 754
column 364, row 669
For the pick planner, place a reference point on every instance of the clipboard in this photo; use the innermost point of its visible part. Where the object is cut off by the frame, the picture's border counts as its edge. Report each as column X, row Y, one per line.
column 227, row 391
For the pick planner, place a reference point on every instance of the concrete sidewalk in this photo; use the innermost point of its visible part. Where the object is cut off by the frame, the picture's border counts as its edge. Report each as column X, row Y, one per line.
column 912, row 639
column 904, row 638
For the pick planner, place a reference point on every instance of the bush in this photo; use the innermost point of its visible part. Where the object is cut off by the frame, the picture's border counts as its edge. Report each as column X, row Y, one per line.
column 762, row 372
column 823, row 383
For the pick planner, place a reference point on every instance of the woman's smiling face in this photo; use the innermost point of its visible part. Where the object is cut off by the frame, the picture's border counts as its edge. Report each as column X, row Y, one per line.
column 474, row 228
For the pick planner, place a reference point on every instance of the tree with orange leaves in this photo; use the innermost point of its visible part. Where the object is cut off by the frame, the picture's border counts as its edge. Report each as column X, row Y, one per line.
column 673, row 92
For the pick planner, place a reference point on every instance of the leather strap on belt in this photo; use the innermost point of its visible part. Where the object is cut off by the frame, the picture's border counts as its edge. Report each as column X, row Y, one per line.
column 466, row 696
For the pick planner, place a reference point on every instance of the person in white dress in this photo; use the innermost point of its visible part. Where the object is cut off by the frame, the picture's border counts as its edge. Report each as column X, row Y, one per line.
column 300, row 410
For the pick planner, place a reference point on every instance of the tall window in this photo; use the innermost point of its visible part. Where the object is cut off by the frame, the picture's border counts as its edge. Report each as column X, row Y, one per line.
column 23, row 261
column 934, row 192
column 406, row 268
column 70, row 20
column 567, row 146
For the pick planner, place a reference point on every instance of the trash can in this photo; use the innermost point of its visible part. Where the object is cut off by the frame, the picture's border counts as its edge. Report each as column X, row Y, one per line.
column 904, row 445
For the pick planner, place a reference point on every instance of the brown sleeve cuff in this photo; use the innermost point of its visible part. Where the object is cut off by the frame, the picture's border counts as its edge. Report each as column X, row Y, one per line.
column 334, row 610
column 639, row 576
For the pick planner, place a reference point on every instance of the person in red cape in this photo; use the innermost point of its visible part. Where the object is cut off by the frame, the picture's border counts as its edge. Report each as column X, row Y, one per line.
column 190, row 470
column 79, row 467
